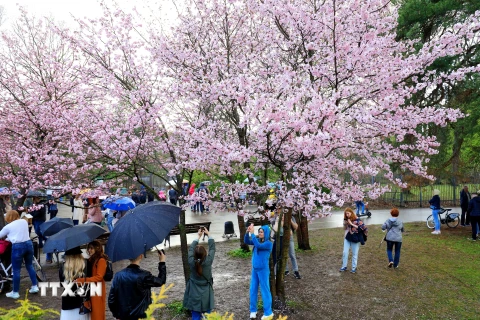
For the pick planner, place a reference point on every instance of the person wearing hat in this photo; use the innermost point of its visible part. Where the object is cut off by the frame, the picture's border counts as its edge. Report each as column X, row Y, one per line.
column 72, row 269
column 474, row 212
column 435, row 206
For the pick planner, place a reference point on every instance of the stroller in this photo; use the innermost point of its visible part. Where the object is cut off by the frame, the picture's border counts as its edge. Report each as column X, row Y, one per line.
column 229, row 230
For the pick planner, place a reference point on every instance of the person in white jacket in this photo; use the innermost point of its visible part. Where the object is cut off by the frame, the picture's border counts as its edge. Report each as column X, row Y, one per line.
column 78, row 212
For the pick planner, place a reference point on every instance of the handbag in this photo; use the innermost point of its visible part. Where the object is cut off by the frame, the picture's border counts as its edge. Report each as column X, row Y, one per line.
column 4, row 244
column 86, row 306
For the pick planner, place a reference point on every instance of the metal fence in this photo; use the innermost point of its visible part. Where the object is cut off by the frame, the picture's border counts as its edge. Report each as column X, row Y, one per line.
column 416, row 196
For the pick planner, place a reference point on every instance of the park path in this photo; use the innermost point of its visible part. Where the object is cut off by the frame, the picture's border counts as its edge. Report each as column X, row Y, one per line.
column 219, row 218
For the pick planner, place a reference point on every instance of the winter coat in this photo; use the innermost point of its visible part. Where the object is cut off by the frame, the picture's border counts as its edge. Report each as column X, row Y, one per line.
column 98, row 269
column 131, row 294
column 474, row 207
column 435, row 202
column 40, row 214
column 394, row 229
column 199, row 295
column 261, row 250
column 465, row 198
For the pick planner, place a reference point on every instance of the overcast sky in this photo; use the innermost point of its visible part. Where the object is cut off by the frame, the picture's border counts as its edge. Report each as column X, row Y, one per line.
column 63, row 9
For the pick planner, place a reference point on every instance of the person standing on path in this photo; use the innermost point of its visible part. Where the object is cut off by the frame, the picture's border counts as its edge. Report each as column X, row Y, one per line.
column 78, row 211
column 172, row 195
column 262, row 248
column 130, row 293
column 52, row 208
column 465, row 198
column 96, row 268
column 94, row 212
column 72, row 269
column 199, row 295
column 435, row 206
column 17, row 233
column 394, row 229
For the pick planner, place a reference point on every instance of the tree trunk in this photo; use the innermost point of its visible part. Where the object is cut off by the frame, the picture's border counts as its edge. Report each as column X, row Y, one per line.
column 279, row 293
column 303, row 239
column 184, row 246
column 241, row 231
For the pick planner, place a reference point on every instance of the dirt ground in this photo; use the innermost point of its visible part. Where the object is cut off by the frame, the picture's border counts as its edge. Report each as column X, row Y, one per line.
column 322, row 293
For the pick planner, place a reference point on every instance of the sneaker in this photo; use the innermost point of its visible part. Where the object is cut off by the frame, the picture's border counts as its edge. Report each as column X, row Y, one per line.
column 435, row 232
column 13, row 295
column 297, row 275
column 343, row 269
column 270, row 317
column 390, row 264
column 395, row 267
column 287, row 273
column 471, row 239
column 253, row 315
column 353, row 271
column 34, row 289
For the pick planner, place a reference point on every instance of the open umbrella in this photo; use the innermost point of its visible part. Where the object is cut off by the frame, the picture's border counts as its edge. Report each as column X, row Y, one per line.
column 55, row 225
column 4, row 191
column 119, row 204
column 35, row 193
column 141, row 229
column 73, row 237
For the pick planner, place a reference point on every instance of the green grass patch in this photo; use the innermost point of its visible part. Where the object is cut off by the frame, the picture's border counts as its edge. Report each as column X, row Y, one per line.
column 176, row 308
column 240, row 253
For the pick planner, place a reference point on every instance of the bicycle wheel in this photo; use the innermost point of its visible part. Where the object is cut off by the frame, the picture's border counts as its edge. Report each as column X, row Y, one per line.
column 452, row 220
column 430, row 222
column 41, row 276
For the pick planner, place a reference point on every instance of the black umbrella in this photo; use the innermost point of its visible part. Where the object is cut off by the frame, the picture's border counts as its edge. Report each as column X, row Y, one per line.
column 35, row 193
column 73, row 237
column 141, row 229
column 54, row 225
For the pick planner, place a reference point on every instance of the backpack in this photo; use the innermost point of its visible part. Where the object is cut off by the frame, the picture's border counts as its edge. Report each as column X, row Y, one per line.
column 108, row 272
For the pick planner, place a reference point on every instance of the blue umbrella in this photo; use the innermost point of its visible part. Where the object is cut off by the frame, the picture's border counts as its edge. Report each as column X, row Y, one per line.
column 141, row 229
column 35, row 193
column 119, row 204
column 73, row 237
column 55, row 225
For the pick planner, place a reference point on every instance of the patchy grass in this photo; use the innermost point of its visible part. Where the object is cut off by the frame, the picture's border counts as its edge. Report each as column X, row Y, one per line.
column 438, row 277
column 239, row 253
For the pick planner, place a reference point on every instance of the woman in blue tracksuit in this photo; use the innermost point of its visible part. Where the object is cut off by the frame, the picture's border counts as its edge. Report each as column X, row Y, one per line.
column 262, row 248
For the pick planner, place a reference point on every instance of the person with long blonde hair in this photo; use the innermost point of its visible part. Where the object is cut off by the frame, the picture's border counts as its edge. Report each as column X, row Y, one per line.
column 72, row 269
column 351, row 224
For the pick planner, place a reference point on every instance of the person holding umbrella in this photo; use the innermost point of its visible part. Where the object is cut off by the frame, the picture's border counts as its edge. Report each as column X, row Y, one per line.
column 96, row 268
column 22, row 251
column 72, row 269
column 198, row 295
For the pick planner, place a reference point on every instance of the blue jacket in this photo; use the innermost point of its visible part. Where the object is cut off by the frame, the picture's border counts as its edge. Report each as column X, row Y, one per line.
column 474, row 207
column 261, row 250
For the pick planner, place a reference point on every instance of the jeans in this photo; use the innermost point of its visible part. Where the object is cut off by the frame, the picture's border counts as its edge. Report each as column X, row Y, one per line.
column 261, row 277
column 359, row 205
column 173, row 201
column 465, row 217
column 474, row 220
column 21, row 252
column 355, row 246
column 198, row 315
column 53, row 213
column 110, row 222
column 398, row 246
column 436, row 219
column 291, row 254
column 36, row 226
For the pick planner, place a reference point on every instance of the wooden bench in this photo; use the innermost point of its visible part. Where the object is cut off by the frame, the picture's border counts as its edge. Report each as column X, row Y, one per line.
column 189, row 228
